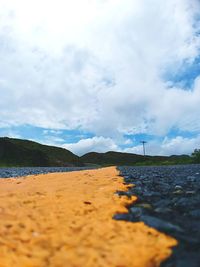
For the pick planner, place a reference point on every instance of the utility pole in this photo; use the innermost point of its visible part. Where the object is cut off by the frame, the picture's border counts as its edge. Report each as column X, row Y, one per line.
column 143, row 143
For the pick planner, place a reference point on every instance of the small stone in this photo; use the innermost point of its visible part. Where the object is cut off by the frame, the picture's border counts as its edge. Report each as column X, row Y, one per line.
column 178, row 192
column 178, row 187
column 137, row 189
column 136, row 211
column 190, row 192
column 191, row 178
column 163, row 203
column 144, row 206
column 162, row 210
column 123, row 193
column 181, row 202
column 160, row 224
column 147, row 194
column 122, row 217
column 195, row 213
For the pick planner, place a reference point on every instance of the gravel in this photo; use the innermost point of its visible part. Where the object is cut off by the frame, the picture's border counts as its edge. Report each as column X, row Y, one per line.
column 168, row 200
column 24, row 171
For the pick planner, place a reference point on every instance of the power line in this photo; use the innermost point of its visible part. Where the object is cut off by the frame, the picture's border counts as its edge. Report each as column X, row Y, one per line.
column 143, row 143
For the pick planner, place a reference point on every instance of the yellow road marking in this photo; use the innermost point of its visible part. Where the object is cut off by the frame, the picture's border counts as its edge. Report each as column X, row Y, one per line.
column 65, row 220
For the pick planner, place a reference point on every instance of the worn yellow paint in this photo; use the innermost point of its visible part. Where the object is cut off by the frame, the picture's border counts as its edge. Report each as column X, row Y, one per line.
column 65, row 220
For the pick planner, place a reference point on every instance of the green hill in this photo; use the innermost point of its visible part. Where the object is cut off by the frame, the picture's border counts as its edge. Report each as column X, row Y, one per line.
column 22, row 153
column 118, row 158
column 17, row 152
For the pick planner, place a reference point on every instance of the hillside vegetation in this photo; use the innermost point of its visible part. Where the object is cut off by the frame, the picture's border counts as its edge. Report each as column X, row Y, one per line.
column 117, row 158
column 25, row 153
column 17, row 152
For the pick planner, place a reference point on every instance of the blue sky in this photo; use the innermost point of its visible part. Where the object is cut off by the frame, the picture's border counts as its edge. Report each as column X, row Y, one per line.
column 185, row 76
column 101, row 75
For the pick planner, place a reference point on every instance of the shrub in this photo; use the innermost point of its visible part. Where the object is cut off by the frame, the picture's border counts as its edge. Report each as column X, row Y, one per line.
column 196, row 155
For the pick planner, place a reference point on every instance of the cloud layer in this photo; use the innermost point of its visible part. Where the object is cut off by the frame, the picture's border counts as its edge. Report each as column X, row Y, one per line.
column 99, row 144
column 101, row 66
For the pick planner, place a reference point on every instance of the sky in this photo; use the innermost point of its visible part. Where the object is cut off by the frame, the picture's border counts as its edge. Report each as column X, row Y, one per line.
column 101, row 75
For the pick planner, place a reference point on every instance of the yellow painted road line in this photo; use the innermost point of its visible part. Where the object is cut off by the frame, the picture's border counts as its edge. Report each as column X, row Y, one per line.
column 65, row 220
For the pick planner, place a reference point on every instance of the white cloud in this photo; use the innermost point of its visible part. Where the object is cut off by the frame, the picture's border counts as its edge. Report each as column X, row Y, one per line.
column 180, row 144
column 169, row 146
column 177, row 145
column 95, row 144
column 52, row 132
column 98, row 65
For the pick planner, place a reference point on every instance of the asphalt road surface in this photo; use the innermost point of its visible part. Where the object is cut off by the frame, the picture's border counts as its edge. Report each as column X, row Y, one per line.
column 24, row 171
column 168, row 200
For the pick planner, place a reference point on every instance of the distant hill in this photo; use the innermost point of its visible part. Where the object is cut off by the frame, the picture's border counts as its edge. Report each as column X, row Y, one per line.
column 25, row 153
column 118, row 158
column 17, row 152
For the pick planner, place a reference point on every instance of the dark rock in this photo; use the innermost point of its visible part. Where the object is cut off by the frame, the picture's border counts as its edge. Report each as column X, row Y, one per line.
column 173, row 193
column 24, row 171
column 124, row 193
column 160, row 224
column 191, row 178
column 123, row 217
column 195, row 213
column 178, row 187
column 136, row 211
column 163, row 203
column 162, row 210
column 143, row 205
column 190, row 192
column 178, row 192
column 181, row 202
